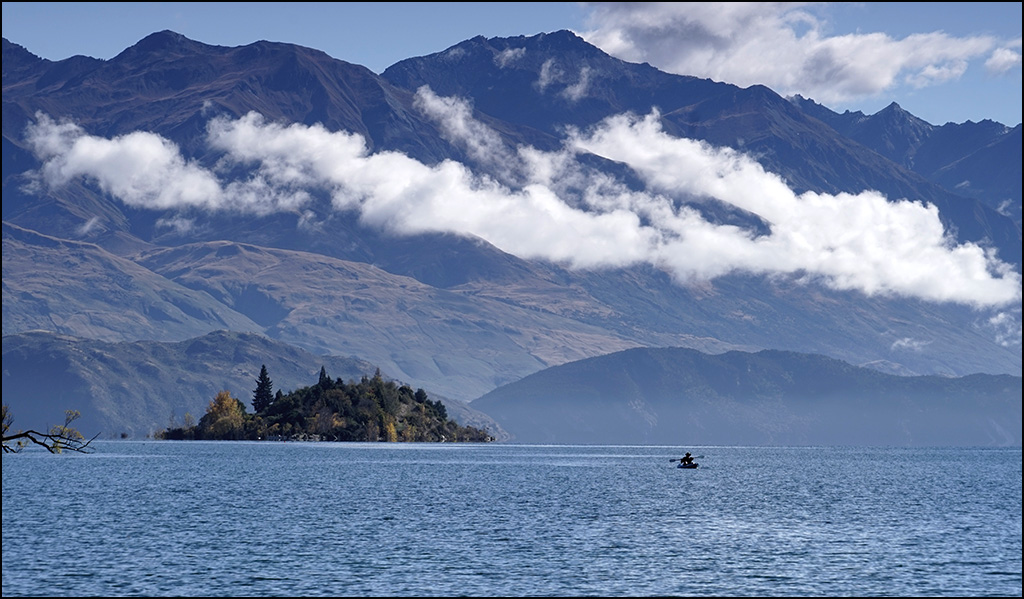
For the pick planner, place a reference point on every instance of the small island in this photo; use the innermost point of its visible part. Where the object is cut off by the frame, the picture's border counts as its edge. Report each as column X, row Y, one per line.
column 370, row 410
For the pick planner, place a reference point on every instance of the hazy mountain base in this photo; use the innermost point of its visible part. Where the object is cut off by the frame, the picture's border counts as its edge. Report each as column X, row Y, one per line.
column 135, row 389
column 677, row 396
column 463, row 341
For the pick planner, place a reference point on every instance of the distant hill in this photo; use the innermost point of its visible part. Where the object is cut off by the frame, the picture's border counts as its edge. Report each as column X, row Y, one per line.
column 679, row 396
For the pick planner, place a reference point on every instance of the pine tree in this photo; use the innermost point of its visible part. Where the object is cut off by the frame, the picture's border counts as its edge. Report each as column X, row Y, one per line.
column 263, row 395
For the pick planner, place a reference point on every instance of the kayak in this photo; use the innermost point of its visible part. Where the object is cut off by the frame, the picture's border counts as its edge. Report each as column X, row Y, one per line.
column 690, row 466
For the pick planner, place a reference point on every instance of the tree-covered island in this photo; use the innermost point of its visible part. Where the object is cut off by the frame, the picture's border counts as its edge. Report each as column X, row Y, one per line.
column 372, row 409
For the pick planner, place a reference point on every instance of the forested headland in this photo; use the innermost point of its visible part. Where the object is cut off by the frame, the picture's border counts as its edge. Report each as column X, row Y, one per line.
column 372, row 409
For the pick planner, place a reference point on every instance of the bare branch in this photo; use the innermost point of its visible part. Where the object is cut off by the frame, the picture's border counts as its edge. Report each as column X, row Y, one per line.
column 60, row 438
column 52, row 443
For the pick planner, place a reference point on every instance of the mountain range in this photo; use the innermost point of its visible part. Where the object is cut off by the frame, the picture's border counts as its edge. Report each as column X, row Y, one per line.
column 181, row 190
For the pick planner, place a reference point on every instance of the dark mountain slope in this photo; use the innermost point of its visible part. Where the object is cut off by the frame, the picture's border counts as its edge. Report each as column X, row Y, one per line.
column 549, row 81
column 992, row 173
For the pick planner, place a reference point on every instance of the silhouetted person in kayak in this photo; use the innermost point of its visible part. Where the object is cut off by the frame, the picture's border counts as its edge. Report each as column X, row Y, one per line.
column 687, row 459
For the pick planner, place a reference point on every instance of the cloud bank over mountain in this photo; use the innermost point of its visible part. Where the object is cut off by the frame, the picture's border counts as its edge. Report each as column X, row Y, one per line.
column 550, row 205
column 788, row 47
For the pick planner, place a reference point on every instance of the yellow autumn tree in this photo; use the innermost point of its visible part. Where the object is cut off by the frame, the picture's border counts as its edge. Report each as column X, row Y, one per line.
column 390, row 433
column 224, row 418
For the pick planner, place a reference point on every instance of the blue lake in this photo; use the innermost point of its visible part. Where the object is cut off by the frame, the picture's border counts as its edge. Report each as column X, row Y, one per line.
column 162, row 518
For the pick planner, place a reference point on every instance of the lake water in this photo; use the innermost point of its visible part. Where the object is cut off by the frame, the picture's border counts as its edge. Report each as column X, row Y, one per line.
column 163, row 518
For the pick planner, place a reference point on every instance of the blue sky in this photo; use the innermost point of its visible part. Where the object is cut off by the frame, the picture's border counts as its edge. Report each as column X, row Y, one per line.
column 941, row 61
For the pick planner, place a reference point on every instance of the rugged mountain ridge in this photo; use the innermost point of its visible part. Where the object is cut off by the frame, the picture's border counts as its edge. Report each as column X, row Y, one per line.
column 978, row 160
column 449, row 313
column 787, row 137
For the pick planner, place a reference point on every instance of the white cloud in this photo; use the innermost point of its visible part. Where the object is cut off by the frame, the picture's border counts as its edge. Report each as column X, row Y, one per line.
column 1005, row 58
column 861, row 242
column 552, row 74
column 145, row 170
column 455, row 118
column 509, row 56
column 549, row 74
column 393, row 191
column 938, row 73
column 178, row 224
column 1008, row 328
column 454, row 54
column 578, row 90
column 89, row 226
column 908, row 344
column 781, row 45
column 142, row 169
column 559, row 210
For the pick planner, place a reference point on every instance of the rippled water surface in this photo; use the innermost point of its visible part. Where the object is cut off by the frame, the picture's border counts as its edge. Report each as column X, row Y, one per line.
column 296, row 519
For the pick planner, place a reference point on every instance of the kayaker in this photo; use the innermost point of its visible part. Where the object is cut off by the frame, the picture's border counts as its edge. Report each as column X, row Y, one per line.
column 687, row 459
